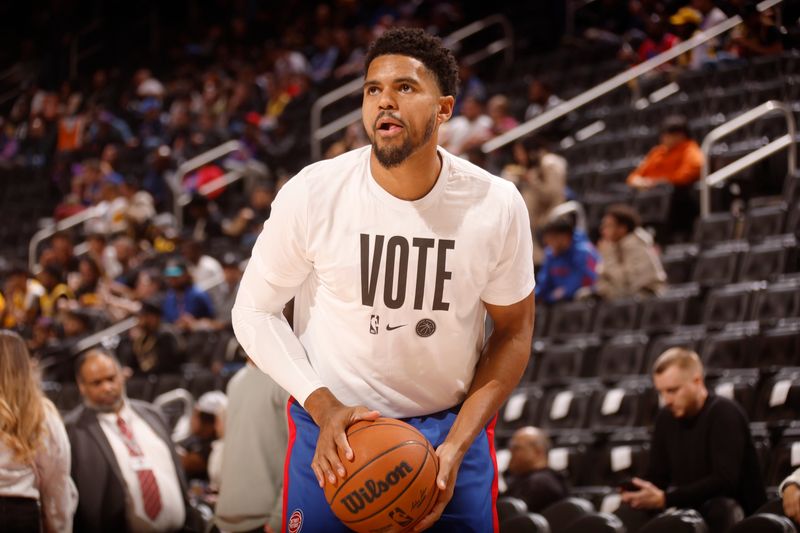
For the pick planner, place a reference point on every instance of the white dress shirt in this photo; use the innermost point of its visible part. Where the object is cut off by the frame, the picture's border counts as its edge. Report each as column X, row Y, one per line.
column 157, row 454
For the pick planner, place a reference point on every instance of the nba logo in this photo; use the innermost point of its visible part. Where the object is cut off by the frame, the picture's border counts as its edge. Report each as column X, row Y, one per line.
column 374, row 324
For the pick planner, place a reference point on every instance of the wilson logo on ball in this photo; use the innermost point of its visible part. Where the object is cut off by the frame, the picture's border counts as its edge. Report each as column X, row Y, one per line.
column 372, row 490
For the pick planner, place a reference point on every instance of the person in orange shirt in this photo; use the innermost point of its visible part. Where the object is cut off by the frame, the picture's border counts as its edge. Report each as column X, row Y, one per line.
column 676, row 161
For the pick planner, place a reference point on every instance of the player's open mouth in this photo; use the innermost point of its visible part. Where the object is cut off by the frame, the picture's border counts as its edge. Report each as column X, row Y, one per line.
column 388, row 127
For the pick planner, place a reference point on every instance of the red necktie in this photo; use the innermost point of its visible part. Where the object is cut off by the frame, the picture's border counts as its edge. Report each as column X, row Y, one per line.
column 147, row 480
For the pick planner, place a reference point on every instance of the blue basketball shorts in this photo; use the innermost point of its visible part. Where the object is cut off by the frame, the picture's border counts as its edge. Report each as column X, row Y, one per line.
column 471, row 510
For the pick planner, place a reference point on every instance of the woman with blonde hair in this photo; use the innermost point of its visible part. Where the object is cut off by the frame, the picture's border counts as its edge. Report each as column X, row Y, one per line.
column 36, row 490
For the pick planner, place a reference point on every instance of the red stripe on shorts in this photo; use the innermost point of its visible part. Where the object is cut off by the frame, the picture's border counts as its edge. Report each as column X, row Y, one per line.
column 292, row 435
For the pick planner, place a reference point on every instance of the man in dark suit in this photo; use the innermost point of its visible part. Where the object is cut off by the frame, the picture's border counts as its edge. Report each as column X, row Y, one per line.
column 123, row 461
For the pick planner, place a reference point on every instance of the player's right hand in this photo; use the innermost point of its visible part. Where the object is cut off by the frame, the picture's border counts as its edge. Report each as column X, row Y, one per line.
column 333, row 419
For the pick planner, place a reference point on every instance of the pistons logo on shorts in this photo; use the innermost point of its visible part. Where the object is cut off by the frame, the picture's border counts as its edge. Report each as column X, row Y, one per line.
column 296, row 521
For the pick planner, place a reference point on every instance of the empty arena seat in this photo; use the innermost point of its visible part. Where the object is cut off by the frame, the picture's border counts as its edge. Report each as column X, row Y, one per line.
column 733, row 347
column 165, row 383
column 508, row 507
column 562, row 514
column 670, row 309
column 779, row 300
column 765, row 523
column 688, row 337
column 596, row 523
column 785, row 457
column 780, row 346
column 139, row 388
column 778, row 400
column 568, row 408
column 568, row 360
column 740, row 386
column 716, row 227
column 622, row 355
column 677, row 521
column 653, row 204
column 678, row 261
column 719, row 265
column 617, row 316
column 630, row 403
column 769, row 259
column 729, row 304
column 761, row 222
column 571, row 318
column 541, row 322
column 624, row 456
column 526, row 523
column 521, row 409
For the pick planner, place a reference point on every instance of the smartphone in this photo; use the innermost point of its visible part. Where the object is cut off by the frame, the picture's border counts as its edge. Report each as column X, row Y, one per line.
column 629, row 486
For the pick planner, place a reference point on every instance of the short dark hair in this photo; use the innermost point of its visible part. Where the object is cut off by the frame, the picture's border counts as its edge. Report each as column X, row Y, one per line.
column 675, row 124
column 561, row 225
column 91, row 353
column 429, row 49
column 625, row 215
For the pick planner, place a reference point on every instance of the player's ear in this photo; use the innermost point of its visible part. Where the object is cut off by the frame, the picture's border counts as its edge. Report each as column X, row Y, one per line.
column 446, row 105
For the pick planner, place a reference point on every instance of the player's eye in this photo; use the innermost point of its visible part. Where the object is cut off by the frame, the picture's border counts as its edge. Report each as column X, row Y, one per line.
column 405, row 88
column 372, row 91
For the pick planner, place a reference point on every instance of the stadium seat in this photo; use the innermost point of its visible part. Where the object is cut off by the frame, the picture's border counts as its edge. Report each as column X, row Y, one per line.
column 201, row 381
column 571, row 454
column 541, row 322
column 616, row 316
column 779, row 300
column 596, row 523
column 769, row 259
column 679, row 521
column 678, row 261
column 780, row 346
column 784, row 457
column 165, row 383
column 653, row 205
column 568, row 360
column 665, row 312
column 521, row 409
column 139, row 388
column 731, row 303
column 508, row 507
column 738, row 385
column 562, row 514
column 718, row 265
column 731, row 347
column 622, row 355
column 626, row 455
column 715, row 228
column 568, row 408
column 688, row 337
column 571, row 318
column 527, row 523
column 765, row 523
column 761, row 222
column 630, row 403
column 778, row 400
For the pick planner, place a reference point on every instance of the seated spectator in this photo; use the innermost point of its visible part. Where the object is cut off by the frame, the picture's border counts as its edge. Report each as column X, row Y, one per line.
column 123, row 462
column 707, row 52
column 469, row 130
column 498, row 111
column 570, row 263
column 205, row 270
column 19, row 299
column 55, row 293
column 540, row 98
column 151, row 347
column 676, row 161
column 469, row 84
column 251, row 481
column 790, row 495
column 686, row 22
column 529, row 477
column 195, row 449
column 756, row 36
column 541, row 177
column 702, row 453
column 88, row 284
column 184, row 302
column 630, row 265
column 658, row 40
column 247, row 223
column 36, row 492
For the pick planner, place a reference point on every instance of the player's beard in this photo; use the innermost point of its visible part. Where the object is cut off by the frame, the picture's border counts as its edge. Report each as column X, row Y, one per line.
column 391, row 157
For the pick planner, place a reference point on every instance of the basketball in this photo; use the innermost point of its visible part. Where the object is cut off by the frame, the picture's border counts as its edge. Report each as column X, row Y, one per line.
column 390, row 484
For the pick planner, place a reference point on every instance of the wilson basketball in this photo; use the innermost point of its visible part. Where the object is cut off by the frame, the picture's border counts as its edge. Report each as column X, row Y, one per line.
column 391, row 483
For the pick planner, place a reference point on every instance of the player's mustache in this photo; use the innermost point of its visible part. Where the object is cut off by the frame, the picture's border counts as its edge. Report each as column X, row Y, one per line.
column 386, row 114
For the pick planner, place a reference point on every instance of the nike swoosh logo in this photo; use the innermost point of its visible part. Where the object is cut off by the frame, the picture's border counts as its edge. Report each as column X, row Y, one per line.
column 390, row 328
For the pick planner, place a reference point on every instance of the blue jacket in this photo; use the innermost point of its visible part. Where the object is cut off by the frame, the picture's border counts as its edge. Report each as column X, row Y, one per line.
column 561, row 276
column 193, row 301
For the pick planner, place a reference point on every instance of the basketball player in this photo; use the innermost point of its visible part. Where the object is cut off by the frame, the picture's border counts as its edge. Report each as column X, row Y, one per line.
column 393, row 253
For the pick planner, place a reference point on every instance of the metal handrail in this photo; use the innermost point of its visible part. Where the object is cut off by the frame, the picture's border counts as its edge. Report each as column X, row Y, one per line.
column 786, row 141
column 175, row 181
column 78, row 218
column 320, row 132
column 615, row 82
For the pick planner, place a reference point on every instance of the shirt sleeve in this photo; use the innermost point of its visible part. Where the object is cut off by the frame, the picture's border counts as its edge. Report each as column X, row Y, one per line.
column 512, row 278
column 58, row 495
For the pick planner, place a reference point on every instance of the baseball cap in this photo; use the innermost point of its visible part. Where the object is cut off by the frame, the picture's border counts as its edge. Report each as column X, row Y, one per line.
column 686, row 15
column 174, row 269
column 212, row 402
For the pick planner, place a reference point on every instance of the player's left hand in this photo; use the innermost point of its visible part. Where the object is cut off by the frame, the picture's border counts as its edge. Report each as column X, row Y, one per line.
column 449, row 462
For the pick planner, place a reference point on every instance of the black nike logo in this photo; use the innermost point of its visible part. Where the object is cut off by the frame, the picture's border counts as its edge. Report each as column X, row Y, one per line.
column 390, row 328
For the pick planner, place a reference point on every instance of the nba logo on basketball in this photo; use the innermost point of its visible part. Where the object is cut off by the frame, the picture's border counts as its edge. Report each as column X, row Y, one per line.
column 296, row 521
